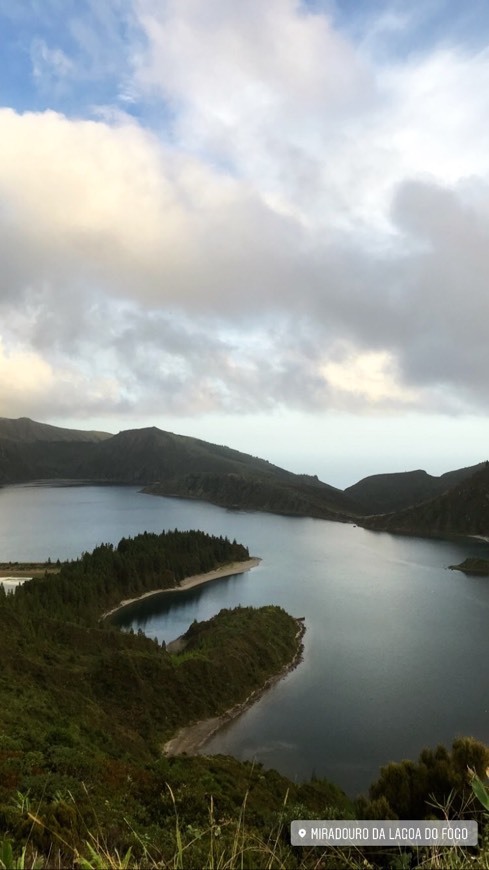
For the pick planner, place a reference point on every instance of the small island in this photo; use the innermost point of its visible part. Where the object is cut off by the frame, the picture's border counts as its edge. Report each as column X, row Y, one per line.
column 473, row 566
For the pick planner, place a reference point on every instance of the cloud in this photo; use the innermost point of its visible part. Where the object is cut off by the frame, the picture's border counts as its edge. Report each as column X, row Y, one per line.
column 448, row 273
column 51, row 64
column 107, row 207
column 268, row 91
column 307, row 227
column 30, row 386
column 370, row 376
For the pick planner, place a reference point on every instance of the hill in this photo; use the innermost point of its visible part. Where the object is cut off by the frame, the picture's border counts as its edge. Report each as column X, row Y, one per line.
column 463, row 510
column 169, row 464
column 39, row 451
column 27, row 430
column 383, row 493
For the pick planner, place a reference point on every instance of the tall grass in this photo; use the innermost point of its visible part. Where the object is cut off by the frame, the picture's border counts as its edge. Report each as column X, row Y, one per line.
column 232, row 845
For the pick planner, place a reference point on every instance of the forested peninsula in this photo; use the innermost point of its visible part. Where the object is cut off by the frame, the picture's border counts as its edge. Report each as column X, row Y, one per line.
column 86, row 711
column 84, row 589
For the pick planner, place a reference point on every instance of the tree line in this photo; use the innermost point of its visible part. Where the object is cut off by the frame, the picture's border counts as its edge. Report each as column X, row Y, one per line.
column 86, row 587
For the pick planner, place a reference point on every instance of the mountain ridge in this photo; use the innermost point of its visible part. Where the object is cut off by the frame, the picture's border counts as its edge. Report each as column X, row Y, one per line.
column 385, row 493
column 167, row 464
column 26, row 430
column 461, row 510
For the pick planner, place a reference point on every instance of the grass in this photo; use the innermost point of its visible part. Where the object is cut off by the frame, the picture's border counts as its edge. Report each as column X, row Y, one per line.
column 230, row 844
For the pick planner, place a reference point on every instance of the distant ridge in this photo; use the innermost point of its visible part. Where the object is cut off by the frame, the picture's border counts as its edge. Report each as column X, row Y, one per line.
column 27, row 430
column 462, row 510
column 165, row 464
column 384, row 493
column 178, row 465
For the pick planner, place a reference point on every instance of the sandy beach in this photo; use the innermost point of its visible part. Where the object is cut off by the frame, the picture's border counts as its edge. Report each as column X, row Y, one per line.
column 194, row 580
column 191, row 738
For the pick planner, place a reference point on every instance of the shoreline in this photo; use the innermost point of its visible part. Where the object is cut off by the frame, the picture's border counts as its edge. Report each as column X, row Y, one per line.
column 189, row 582
column 26, row 570
column 191, row 738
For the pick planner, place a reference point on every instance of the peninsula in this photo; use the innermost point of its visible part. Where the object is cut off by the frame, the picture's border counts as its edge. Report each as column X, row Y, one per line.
column 191, row 738
column 99, row 704
column 473, row 566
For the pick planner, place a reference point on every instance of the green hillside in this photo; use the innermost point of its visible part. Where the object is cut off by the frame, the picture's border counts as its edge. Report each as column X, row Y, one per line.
column 463, row 510
column 384, row 493
column 28, row 431
column 85, row 708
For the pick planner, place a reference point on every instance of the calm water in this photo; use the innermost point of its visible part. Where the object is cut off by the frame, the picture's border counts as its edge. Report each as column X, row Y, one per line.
column 396, row 646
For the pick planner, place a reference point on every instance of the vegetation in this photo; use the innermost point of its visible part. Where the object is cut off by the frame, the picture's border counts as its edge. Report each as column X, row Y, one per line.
column 85, row 710
column 384, row 493
column 423, row 789
column 26, row 430
column 463, row 510
column 168, row 464
column 297, row 497
column 83, row 589
column 203, row 812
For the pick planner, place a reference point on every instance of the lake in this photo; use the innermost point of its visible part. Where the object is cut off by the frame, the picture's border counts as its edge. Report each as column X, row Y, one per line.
column 396, row 646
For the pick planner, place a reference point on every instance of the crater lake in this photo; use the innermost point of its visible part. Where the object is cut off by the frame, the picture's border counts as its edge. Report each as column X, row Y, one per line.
column 396, row 644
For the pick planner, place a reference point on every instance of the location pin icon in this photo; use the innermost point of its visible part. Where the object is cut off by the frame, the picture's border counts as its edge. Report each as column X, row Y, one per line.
column 302, row 832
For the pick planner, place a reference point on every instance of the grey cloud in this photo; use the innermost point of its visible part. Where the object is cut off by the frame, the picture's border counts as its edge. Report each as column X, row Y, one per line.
column 160, row 278
column 446, row 304
column 259, row 338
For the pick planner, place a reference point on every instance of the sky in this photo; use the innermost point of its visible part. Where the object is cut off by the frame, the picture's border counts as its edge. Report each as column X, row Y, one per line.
column 264, row 224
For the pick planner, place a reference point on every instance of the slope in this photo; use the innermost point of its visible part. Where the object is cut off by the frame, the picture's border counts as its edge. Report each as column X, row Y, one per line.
column 167, row 464
column 178, row 465
column 463, row 510
column 26, row 430
column 383, row 493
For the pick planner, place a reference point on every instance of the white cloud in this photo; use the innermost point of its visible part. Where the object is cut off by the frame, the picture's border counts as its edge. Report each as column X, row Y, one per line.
column 288, row 103
column 371, row 377
column 306, row 199
column 29, row 385
column 24, row 373
column 107, row 206
column 49, row 65
column 264, row 88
